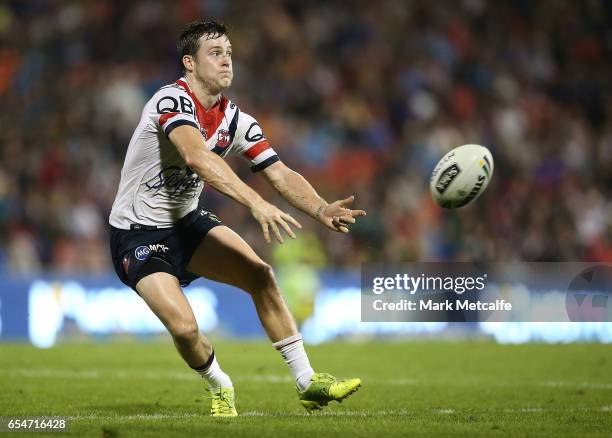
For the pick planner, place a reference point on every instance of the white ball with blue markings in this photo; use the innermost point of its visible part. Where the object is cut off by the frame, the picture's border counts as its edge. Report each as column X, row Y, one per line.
column 461, row 176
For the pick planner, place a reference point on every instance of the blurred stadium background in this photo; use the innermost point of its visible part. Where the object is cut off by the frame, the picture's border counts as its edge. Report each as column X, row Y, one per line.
column 361, row 97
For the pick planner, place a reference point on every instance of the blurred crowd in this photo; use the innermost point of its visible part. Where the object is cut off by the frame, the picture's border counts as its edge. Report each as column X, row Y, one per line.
column 361, row 97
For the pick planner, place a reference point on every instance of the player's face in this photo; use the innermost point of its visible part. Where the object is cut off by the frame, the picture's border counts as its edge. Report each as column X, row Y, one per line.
column 213, row 63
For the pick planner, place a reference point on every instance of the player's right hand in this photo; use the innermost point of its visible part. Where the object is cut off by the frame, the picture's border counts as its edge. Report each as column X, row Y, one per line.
column 270, row 216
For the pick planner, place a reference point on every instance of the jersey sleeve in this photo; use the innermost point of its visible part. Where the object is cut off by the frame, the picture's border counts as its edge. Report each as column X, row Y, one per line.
column 173, row 107
column 251, row 144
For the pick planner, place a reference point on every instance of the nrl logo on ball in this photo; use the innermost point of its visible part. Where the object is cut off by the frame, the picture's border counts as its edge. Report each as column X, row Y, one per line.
column 447, row 177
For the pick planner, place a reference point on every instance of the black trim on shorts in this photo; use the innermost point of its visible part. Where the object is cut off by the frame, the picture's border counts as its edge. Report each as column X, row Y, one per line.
column 153, row 265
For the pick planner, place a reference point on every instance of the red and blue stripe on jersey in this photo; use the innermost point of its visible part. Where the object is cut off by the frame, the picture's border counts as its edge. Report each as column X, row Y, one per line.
column 260, row 154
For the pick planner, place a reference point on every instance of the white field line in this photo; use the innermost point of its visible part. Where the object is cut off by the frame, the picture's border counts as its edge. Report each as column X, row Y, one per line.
column 584, row 385
column 527, row 410
column 51, row 373
column 132, row 417
column 443, row 411
column 328, row 413
column 269, row 378
column 383, row 413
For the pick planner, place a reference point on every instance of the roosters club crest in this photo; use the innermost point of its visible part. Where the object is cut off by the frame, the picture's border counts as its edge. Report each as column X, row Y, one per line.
column 223, row 138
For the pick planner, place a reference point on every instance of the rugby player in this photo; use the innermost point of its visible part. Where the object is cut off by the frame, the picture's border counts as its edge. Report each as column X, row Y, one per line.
column 162, row 238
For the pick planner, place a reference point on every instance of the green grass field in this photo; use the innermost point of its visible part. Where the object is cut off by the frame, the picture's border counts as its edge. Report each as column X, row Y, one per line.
column 423, row 389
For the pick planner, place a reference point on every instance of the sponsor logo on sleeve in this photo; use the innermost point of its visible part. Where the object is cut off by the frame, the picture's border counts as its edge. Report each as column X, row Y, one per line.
column 254, row 133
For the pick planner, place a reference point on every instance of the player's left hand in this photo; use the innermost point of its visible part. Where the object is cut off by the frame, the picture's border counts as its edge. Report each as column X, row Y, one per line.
column 336, row 216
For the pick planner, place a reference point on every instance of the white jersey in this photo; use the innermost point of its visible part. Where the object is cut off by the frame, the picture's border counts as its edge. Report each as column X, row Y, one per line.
column 157, row 188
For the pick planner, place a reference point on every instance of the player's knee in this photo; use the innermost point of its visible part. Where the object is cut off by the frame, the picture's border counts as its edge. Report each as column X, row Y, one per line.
column 264, row 279
column 185, row 331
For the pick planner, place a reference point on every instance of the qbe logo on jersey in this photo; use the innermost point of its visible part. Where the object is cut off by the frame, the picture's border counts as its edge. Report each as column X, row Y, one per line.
column 143, row 252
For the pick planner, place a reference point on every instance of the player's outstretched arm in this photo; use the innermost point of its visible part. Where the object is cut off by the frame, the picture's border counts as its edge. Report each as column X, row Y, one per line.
column 214, row 171
column 298, row 192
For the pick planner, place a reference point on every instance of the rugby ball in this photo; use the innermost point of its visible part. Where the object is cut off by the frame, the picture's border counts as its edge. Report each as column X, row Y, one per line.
column 461, row 176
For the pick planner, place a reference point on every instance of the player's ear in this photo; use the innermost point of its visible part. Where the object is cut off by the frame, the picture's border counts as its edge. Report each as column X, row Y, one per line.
column 188, row 62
